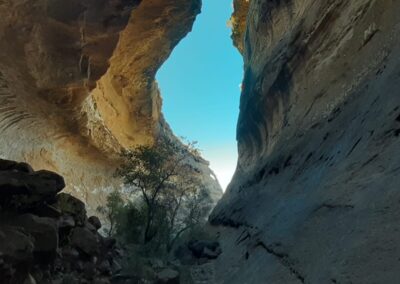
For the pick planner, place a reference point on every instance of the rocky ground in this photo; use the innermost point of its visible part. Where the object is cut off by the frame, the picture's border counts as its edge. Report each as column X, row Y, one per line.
column 46, row 237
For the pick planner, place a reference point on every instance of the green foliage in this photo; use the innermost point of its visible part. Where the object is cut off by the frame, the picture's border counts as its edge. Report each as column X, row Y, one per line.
column 112, row 211
column 125, row 220
column 130, row 223
column 173, row 199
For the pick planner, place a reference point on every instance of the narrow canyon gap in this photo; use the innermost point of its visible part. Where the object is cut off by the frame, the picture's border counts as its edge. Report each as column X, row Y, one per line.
column 315, row 195
column 200, row 87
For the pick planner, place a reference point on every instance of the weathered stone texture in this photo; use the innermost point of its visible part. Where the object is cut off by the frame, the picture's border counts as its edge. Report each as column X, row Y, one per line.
column 315, row 197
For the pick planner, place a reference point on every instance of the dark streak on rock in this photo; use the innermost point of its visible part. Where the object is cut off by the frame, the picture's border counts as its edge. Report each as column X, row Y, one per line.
column 288, row 161
column 274, row 171
column 333, row 206
column 308, row 157
column 243, row 238
column 284, row 260
column 354, row 146
column 369, row 160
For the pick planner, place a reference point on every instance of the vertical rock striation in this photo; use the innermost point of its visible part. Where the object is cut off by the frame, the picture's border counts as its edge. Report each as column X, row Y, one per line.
column 315, row 196
column 77, row 83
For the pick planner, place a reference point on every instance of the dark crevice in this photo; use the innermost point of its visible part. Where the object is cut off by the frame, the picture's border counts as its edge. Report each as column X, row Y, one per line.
column 243, row 238
column 274, row 171
column 308, row 157
column 334, row 206
column 370, row 160
column 354, row 146
column 395, row 132
column 288, row 162
column 335, row 113
column 228, row 222
column 317, row 97
column 284, row 259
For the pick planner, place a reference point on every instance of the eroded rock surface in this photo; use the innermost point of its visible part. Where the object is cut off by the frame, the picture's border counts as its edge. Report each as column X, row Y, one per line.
column 315, row 197
column 77, row 84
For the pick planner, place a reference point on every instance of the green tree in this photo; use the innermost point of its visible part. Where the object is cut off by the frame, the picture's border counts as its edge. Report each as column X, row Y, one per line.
column 168, row 184
column 112, row 211
column 186, row 205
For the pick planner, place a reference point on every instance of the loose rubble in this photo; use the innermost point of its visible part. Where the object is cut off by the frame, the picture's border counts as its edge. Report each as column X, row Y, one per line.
column 45, row 235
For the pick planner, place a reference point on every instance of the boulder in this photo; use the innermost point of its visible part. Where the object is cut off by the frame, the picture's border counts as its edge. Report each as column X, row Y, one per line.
column 16, row 251
column 211, row 254
column 47, row 210
column 84, row 240
column 104, row 267
column 15, row 245
column 69, row 279
column 95, row 221
column 21, row 190
column 45, row 236
column 43, row 230
column 52, row 178
column 90, row 227
column 7, row 165
column 168, row 276
column 43, row 183
column 101, row 281
column 116, row 267
column 156, row 263
column 66, row 222
column 30, row 280
column 71, row 205
column 204, row 249
column 70, row 253
column 109, row 242
column 89, row 270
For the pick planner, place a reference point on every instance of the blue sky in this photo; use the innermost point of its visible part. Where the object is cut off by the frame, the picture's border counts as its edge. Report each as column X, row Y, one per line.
column 200, row 88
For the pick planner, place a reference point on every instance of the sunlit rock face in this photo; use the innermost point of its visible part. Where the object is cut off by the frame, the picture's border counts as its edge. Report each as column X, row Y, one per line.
column 77, row 83
column 315, row 198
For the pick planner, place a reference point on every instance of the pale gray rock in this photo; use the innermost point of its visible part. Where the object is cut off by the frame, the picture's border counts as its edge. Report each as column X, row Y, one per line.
column 168, row 276
column 30, row 280
column 315, row 195
column 66, row 221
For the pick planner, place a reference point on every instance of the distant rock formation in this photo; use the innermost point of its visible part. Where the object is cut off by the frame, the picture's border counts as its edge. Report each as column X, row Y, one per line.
column 77, row 84
column 315, row 198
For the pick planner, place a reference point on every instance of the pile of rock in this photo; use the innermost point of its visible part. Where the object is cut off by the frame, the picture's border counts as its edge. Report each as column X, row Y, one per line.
column 45, row 235
column 202, row 249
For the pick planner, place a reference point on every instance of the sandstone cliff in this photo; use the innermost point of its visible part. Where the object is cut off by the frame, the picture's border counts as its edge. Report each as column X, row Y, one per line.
column 315, row 198
column 77, row 83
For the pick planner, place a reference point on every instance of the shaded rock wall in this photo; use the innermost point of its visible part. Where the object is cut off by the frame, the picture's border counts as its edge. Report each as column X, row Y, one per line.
column 315, row 196
column 77, row 83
